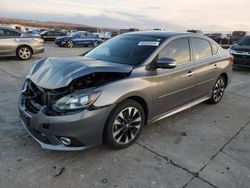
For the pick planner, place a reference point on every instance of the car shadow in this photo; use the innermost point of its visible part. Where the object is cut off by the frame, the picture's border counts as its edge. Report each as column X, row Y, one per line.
column 242, row 69
column 11, row 59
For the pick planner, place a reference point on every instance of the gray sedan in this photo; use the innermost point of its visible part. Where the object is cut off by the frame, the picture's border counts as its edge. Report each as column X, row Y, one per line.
column 21, row 45
column 108, row 94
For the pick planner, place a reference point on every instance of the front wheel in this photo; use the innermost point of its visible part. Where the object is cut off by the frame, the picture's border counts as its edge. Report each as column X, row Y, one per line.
column 124, row 125
column 70, row 44
column 218, row 90
column 95, row 43
column 24, row 52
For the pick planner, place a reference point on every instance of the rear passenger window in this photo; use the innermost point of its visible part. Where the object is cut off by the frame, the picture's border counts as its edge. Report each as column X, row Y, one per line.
column 201, row 48
column 215, row 47
column 177, row 49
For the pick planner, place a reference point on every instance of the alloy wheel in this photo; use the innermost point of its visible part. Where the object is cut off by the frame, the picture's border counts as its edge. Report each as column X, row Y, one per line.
column 95, row 44
column 24, row 53
column 70, row 44
column 127, row 125
column 218, row 90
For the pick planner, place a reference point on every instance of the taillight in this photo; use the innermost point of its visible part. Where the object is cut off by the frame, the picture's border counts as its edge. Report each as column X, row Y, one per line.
column 231, row 59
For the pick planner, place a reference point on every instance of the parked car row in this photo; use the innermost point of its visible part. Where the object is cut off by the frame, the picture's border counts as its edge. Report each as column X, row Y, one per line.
column 223, row 38
column 220, row 38
column 23, row 45
column 227, row 38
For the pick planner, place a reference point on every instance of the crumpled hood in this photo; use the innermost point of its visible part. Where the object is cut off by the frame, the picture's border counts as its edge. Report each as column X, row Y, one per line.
column 54, row 73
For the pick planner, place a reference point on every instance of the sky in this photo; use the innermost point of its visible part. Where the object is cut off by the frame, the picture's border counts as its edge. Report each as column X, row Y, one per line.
column 207, row 15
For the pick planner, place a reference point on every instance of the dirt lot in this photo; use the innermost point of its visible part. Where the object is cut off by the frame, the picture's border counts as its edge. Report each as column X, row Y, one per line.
column 206, row 146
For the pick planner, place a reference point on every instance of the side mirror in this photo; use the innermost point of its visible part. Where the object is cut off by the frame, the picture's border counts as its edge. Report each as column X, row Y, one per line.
column 166, row 63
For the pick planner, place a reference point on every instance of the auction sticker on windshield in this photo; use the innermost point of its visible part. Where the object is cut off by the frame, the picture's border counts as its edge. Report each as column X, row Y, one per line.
column 148, row 43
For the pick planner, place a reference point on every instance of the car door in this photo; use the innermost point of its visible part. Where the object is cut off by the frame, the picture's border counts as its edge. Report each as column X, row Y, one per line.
column 173, row 88
column 206, row 70
column 80, row 39
column 8, row 41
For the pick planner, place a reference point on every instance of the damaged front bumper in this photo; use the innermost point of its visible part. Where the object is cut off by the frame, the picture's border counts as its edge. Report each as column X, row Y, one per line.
column 84, row 129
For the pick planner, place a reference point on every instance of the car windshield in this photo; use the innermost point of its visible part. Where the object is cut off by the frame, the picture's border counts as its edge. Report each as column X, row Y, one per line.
column 245, row 41
column 126, row 49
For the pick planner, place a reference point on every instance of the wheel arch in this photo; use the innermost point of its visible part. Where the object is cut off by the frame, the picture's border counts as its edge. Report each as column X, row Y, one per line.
column 143, row 104
column 25, row 45
column 137, row 99
column 225, row 76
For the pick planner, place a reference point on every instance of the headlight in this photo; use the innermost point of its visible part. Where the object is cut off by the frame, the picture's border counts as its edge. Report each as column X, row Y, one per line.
column 75, row 102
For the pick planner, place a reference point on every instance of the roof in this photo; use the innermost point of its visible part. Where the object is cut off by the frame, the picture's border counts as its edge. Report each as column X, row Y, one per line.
column 159, row 33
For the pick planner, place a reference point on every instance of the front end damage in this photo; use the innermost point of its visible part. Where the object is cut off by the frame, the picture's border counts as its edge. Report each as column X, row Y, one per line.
column 66, row 129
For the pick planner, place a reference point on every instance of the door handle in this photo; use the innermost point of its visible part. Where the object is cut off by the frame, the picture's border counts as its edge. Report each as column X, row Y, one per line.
column 216, row 66
column 190, row 73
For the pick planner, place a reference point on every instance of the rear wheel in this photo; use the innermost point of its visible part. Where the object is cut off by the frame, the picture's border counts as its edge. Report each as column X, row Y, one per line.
column 218, row 90
column 24, row 52
column 124, row 124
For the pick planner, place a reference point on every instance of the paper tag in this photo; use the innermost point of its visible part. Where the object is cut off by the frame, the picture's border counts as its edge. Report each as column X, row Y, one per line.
column 148, row 43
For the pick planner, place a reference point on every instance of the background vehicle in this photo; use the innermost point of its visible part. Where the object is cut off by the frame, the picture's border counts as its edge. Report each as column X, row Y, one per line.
column 241, row 52
column 220, row 38
column 237, row 35
column 51, row 35
column 80, row 38
column 195, row 31
column 104, row 35
column 21, row 45
column 111, row 92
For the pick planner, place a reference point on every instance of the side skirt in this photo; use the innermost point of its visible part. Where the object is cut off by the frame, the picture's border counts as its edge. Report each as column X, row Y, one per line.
column 177, row 110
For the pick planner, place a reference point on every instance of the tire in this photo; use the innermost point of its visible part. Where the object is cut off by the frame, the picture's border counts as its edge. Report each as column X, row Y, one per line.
column 218, row 90
column 121, row 130
column 70, row 44
column 24, row 53
column 95, row 43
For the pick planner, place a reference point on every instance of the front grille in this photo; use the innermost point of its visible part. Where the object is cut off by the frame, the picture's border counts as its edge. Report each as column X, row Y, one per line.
column 30, row 107
column 35, row 98
column 243, row 52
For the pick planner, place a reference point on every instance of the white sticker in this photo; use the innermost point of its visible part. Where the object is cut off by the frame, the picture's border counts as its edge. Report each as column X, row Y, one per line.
column 148, row 43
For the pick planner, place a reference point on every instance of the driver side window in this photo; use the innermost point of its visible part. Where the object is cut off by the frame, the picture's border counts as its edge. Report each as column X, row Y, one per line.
column 177, row 49
column 82, row 35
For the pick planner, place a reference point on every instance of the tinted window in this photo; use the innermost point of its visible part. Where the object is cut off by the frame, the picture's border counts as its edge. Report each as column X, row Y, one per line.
column 49, row 33
column 178, row 50
column 90, row 35
column 9, row 33
column 245, row 41
column 201, row 48
column 82, row 35
column 127, row 49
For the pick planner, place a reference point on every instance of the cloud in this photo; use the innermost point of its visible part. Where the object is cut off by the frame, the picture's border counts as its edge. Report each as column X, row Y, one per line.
column 173, row 15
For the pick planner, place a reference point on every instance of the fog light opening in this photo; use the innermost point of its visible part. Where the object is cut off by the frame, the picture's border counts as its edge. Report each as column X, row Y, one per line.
column 65, row 141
